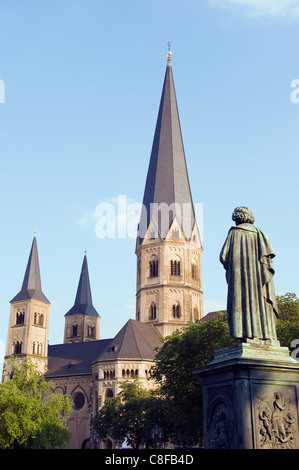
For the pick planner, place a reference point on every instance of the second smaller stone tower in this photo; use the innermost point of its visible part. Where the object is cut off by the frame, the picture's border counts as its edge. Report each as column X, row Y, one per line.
column 82, row 321
column 29, row 320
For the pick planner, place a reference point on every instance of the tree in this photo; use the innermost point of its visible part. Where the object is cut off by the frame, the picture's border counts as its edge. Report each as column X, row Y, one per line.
column 31, row 416
column 130, row 416
column 182, row 351
column 287, row 326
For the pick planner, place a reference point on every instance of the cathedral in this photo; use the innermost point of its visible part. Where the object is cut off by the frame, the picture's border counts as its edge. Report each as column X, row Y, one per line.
column 168, row 292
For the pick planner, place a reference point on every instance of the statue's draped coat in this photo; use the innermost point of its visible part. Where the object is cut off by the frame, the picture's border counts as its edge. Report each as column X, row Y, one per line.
column 251, row 303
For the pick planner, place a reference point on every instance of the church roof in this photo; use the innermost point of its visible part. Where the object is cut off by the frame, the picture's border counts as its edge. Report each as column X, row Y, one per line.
column 135, row 340
column 83, row 301
column 73, row 358
column 31, row 287
column 167, row 179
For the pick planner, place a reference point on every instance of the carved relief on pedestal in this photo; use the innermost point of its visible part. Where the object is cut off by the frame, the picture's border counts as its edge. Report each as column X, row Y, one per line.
column 277, row 422
column 220, row 424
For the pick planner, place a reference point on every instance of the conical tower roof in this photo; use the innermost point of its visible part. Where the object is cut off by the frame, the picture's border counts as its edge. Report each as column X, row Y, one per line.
column 31, row 287
column 167, row 180
column 83, row 301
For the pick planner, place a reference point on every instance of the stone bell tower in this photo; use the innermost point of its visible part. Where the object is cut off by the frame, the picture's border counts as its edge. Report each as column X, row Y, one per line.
column 82, row 321
column 168, row 247
column 29, row 320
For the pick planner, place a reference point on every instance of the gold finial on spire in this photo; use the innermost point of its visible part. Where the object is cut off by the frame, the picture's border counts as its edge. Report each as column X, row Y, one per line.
column 169, row 52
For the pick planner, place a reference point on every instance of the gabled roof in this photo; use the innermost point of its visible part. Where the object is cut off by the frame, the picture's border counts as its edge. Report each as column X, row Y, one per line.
column 73, row 358
column 167, row 179
column 135, row 340
column 31, row 287
column 83, row 301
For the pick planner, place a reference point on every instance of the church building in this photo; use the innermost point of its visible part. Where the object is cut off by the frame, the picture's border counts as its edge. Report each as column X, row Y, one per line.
column 168, row 292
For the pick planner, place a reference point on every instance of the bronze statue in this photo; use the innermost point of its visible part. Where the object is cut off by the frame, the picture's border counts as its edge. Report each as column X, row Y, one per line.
column 247, row 258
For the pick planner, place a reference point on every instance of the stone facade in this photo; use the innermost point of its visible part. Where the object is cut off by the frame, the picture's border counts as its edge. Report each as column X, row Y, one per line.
column 28, row 334
column 169, row 295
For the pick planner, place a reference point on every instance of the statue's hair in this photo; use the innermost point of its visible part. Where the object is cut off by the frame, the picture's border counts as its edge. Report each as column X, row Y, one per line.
column 242, row 215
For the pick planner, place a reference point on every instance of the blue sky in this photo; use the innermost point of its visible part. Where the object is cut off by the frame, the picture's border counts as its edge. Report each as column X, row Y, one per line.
column 83, row 81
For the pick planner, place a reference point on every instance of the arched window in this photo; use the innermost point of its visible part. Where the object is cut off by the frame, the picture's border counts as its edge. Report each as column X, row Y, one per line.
column 153, row 311
column 90, row 331
column 175, row 267
column 79, row 401
column 195, row 315
column 20, row 317
column 154, row 266
column 176, row 310
column 109, row 393
column 194, row 270
column 41, row 319
column 75, row 330
column 18, row 347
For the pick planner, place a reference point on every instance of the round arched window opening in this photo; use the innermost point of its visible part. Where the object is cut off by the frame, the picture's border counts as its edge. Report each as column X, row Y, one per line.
column 79, row 401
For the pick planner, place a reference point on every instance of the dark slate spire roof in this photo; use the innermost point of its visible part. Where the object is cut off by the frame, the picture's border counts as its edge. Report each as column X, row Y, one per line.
column 135, row 341
column 31, row 287
column 83, row 302
column 167, row 178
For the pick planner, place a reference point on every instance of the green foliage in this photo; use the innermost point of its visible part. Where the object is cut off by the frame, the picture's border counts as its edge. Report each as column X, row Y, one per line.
column 287, row 326
column 131, row 415
column 30, row 415
column 181, row 352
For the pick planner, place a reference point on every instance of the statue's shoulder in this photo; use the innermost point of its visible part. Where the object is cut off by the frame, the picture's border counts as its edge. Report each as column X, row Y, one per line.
column 246, row 227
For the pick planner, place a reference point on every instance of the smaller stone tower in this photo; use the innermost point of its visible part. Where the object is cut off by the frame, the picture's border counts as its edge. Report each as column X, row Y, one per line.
column 82, row 321
column 29, row 320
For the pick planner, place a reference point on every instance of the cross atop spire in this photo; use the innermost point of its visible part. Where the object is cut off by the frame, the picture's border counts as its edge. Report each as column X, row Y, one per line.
column 31, row 287
column 169, row 53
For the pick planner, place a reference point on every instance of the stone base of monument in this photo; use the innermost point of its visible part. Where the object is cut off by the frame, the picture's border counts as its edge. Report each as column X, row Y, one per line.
column 251, row 397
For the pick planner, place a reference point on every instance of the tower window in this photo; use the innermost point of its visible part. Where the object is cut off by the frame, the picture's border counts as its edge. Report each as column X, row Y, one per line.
column 153, row 311
column 154, row 267
column 175, row 267
column 38, row 319
column 20, row 317
column 17, row 347
column 194, row 271
column 176, row 310
column 75, row 330
column 90, row 331
column 175, row 233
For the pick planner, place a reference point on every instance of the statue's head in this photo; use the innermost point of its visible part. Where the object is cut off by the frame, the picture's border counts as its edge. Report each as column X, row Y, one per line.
column 242, row 215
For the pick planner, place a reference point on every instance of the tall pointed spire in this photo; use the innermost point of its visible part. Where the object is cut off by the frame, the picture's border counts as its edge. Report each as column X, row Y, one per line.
column 168, row 245
column 167, row 179
column 31, row 287
column 83, row 302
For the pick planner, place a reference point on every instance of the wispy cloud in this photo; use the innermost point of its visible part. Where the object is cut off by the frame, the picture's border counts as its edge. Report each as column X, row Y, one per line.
column 259, row 8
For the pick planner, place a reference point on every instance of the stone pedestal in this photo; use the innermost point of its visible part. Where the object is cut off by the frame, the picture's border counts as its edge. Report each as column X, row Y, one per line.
column 251, row 398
